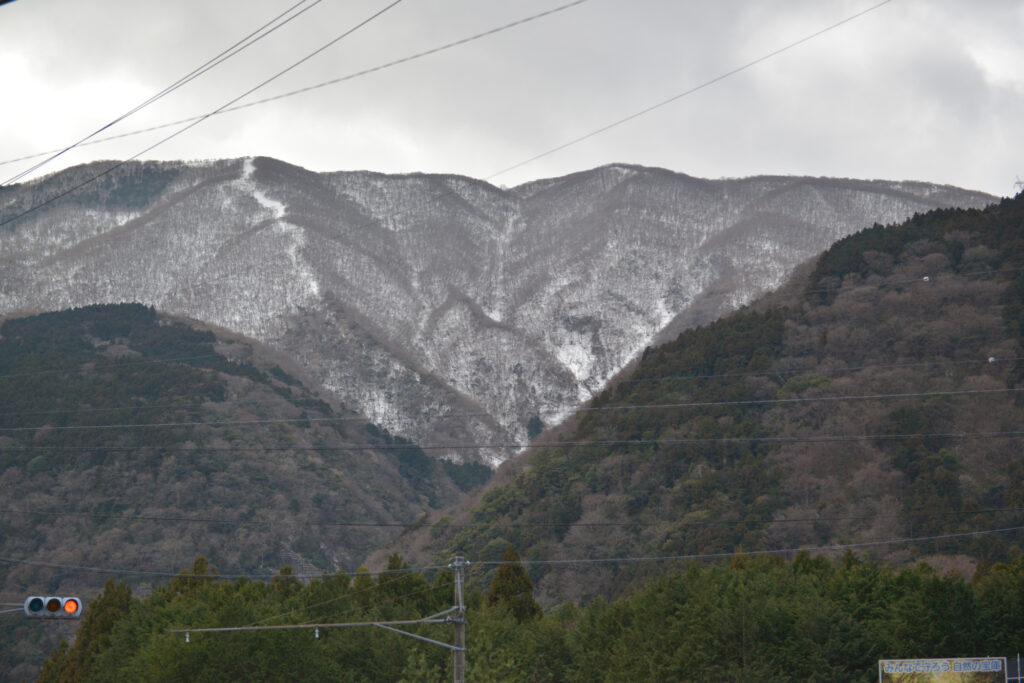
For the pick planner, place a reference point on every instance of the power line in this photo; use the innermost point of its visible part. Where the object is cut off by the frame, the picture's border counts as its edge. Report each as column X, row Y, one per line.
column 824, row 369
column 185, row 574
column 121, row 364
column 779, row 551
column 596, row 443
column 649, row 406
column 938, row 277
column 961, row 514
column 140, row 407
column 348, row 596
column 685, row 93
column 798, row 399
column 445, row 416
column 115, row 365
column 335, row 81
column 227, row 54
column 198, row 520
column 397, row 598
column 661, row 378
column 119, row 164
column 387, row 625
column 552, row 563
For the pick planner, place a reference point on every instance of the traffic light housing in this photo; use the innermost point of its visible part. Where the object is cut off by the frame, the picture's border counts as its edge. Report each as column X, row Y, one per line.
column 53, row 607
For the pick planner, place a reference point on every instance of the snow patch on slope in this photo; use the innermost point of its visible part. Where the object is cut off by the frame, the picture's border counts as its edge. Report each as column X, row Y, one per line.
column 414, row 305
column 276, row 208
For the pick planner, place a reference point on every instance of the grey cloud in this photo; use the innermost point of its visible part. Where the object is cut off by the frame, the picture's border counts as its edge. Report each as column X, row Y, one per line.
column 866, row 99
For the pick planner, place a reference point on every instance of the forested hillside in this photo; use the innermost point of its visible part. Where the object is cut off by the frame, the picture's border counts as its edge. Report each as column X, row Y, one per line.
column 875, row 399
column 133, row 441
column 755, row 619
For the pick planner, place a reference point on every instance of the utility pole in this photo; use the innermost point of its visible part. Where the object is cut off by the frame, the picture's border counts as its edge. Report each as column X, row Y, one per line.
column 459, row 619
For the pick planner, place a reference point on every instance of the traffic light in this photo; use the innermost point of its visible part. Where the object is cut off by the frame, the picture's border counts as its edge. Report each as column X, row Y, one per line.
column 53, row 608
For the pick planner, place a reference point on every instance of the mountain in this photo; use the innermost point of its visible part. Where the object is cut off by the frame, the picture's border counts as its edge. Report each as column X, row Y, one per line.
column 874, row 397
column 450, row 311
column 132, row 442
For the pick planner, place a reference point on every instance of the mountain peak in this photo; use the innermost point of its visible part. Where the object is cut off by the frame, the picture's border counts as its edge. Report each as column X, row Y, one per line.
column 440, row 306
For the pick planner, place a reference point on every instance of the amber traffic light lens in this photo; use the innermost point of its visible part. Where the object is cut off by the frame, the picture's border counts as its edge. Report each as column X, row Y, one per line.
column 53, row 607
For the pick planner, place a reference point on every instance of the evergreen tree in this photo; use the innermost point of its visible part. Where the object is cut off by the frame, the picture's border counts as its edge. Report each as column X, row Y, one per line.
column 534, row 427
column 513, row 589
column 92, row 637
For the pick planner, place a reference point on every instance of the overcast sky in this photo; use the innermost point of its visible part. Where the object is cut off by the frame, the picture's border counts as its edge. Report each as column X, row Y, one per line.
column 915, row 89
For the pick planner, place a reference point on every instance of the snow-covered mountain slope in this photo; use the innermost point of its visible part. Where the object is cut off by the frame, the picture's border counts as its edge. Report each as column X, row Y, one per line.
column 449, row 310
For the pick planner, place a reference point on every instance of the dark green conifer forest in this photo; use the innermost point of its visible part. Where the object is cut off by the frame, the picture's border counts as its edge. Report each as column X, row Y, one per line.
column 757, row 618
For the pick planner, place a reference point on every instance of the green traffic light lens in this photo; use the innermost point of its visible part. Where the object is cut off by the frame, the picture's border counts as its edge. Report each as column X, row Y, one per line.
column 35, row 604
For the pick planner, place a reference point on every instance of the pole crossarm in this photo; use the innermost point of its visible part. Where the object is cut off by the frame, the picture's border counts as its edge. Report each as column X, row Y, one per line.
column 419, row 637
column 441, row 614
column 407, row 622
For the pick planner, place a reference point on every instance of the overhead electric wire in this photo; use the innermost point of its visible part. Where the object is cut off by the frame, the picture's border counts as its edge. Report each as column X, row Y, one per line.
column 141, row 407
column 508, row 446
column 779, row 551
column 125, row 364
column 119, row 363
column 925, row 279
column 685, row 93
column 799, row 399
column 823, row 369
column 184, row 574
column 831, row 370
column 248, row 92
column 113, row 365
column 335, row 81
column 394, row 599
column 347, row 596
column 225, row 55
column 676, row 524
column 625, row 406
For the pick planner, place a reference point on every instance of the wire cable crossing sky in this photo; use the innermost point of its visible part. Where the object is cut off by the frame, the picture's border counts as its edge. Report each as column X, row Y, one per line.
column 265, row 30
column 907, row 89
